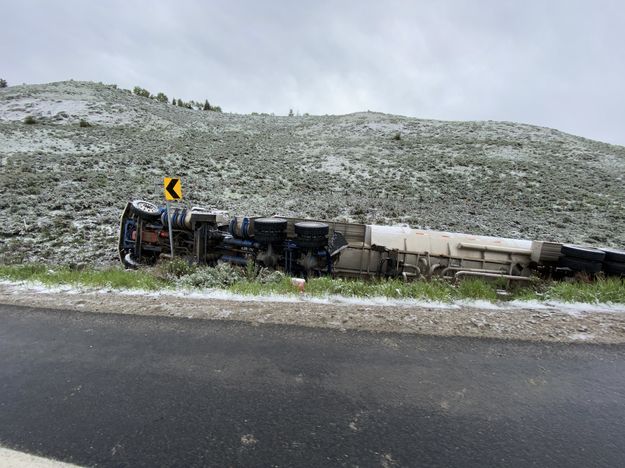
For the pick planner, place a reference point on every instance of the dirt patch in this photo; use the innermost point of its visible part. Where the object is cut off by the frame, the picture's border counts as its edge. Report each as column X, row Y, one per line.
column 536, row 323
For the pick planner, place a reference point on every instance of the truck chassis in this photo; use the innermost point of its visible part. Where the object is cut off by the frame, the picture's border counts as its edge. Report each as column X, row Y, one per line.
column 302, row 247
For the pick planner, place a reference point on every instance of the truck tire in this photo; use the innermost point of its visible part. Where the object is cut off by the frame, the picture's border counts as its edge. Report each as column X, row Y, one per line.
column 578, row 264
column 614, row 255
column 311, row 229
column 614, row 268
column 585, row 253
column 145, row 209
column 311, row 234
column 270, row 230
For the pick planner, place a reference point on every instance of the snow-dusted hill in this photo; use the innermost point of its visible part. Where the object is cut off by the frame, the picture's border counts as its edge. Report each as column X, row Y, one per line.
column 63, row 186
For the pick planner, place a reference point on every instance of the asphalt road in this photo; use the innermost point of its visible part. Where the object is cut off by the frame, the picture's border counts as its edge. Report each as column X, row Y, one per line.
column 113, row 390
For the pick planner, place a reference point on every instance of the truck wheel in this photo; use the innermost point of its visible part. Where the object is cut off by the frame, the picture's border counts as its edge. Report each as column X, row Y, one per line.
column 270, row 230
column 311, row 234
column 145, row 209
column 614, row 268
column 585, row 253
column 311, row 229
column 578, row 264
column 614, row 255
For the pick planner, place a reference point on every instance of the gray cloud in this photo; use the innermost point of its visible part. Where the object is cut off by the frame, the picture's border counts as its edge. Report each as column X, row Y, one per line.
column 560, row 63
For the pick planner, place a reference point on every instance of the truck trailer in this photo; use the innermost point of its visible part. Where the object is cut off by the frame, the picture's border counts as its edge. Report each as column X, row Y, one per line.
column 305, row 248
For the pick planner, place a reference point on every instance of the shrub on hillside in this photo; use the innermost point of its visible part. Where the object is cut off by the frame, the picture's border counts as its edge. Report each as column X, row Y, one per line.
column 141, row 91
column 29, row 120
column 83, row 123
column 3, row 83
column 161, row 97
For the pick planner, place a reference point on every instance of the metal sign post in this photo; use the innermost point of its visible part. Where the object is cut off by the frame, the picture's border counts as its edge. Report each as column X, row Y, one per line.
column 173, row 191
column 171, row 235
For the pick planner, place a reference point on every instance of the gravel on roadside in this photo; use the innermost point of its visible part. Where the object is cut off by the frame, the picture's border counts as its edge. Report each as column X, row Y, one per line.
column 532, row 322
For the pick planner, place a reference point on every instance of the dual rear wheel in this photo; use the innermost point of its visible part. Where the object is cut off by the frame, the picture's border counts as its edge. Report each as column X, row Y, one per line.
column 308, row 234
column 591, row 260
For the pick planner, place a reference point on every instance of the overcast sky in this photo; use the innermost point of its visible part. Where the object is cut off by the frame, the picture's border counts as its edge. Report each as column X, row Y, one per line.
column 559, row 64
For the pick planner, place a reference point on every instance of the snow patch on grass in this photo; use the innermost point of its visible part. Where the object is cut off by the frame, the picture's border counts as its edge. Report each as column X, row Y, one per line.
column 38, row 141
column 574, row 308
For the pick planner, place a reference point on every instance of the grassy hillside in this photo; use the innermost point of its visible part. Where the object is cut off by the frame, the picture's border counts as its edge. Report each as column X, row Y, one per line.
column 63, row 186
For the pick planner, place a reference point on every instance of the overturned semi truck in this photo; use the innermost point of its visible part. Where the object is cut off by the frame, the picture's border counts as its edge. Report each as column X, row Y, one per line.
column 303, row 247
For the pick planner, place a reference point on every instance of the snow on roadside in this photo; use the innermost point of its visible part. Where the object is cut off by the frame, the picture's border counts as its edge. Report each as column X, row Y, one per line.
column 572, row 308
column 476, row 319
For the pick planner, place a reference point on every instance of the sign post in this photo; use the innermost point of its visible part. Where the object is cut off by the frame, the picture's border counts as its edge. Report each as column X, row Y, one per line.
column 173, row 191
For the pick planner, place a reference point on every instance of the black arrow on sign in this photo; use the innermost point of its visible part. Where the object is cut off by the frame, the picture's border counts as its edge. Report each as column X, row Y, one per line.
column 170, row 188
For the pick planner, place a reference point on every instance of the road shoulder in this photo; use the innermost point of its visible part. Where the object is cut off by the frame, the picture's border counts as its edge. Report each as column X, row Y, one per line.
column 532, row 322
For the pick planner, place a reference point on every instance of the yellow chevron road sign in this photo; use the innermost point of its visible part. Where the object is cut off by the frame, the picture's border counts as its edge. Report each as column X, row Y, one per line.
column 173, row 188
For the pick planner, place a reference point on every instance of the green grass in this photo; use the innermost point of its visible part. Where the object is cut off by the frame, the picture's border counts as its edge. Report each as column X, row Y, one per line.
column 477, row 289
column 392, row 288
column 172, row 276
column 602, row 290
column 255, row 288
column 22, row 272
column 116, row 278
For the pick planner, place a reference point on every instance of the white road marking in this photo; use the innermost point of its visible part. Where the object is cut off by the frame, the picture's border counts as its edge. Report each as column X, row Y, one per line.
column 14, row 459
